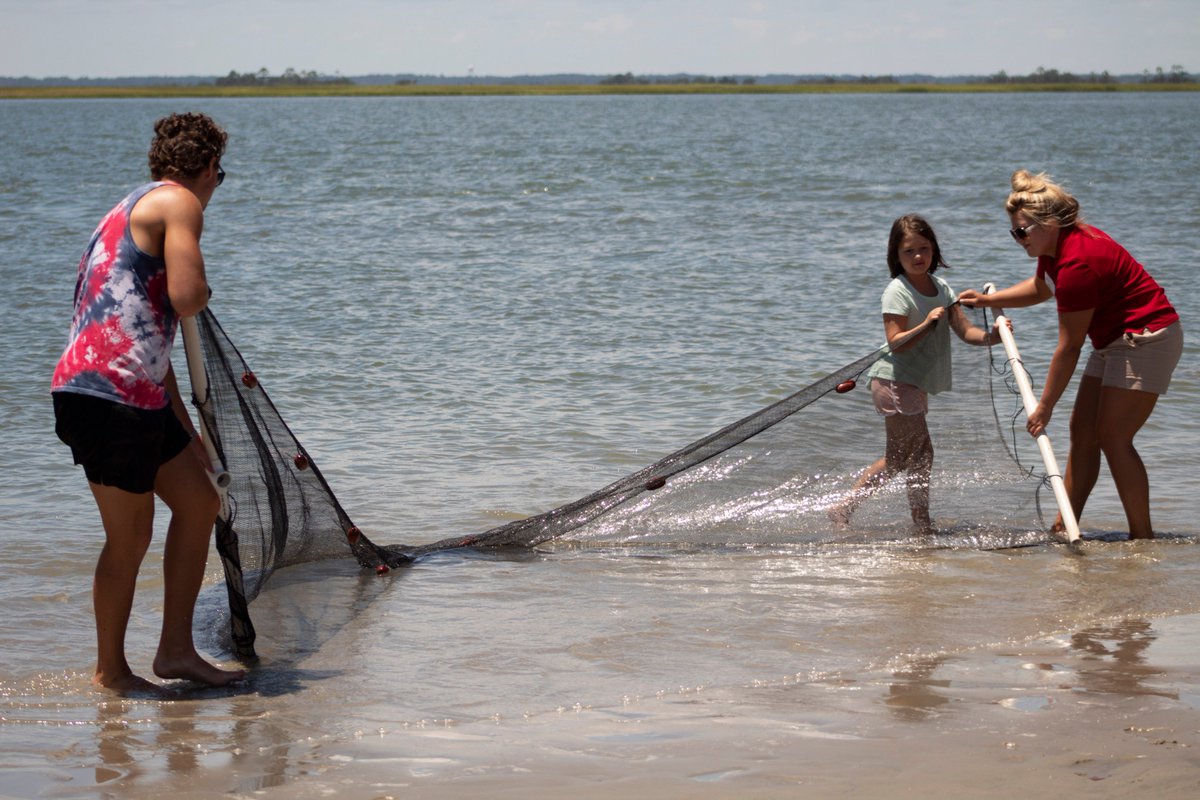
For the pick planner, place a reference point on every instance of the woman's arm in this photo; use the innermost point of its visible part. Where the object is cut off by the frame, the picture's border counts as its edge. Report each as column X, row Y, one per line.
column 1028, row 292
column 1072, row 331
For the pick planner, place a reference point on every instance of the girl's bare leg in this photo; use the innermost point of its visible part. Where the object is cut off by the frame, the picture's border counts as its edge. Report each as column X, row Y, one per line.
column 920, row 472
column 906, row 438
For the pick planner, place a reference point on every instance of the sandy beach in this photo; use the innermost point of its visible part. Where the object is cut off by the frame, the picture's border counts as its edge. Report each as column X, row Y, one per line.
column 1087, row 717
column 1100, row 714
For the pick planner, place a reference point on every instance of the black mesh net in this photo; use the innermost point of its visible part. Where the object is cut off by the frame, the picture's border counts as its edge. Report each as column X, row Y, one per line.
column 769, row 478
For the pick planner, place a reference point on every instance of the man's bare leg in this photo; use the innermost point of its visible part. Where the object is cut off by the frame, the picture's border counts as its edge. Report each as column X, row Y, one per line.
column 128, row 521
column 183, row 485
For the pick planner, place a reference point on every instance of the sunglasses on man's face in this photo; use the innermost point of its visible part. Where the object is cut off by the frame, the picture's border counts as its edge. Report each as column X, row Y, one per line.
column 220, row 175
column 1020, row 234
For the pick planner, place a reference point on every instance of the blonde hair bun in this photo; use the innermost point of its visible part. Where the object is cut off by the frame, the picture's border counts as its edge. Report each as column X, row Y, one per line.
column 1042, row 200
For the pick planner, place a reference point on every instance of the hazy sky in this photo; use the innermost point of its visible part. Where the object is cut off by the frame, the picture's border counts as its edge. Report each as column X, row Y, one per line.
column 109, row 38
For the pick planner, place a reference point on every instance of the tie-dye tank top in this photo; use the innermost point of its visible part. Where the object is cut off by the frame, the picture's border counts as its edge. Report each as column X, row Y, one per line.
column 119, row 346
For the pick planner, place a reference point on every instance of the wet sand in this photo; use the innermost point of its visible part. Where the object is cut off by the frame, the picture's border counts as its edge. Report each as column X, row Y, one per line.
column 1106, row 712
column 1035, row 722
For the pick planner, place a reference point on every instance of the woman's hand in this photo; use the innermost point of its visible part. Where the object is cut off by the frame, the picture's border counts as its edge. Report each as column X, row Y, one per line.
column 971, row 299
column 1038, row 420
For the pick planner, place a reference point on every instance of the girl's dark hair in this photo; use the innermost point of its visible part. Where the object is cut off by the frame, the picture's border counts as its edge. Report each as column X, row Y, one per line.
column 912, row 223
column 184, row 145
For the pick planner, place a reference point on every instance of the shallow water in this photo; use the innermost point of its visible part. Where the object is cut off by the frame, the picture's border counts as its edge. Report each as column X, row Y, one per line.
column 472, row 310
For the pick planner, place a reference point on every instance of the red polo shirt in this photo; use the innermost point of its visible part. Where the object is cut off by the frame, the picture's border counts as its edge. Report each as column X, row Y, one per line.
column 1093, row 271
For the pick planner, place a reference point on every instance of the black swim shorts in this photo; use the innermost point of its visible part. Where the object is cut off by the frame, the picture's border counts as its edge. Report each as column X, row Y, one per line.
column 118, row 445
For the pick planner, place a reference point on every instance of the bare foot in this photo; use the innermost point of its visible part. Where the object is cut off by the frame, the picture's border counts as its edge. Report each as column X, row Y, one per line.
column 195, row 668
column 130, row 685
column 839, row 515
column 923, row 525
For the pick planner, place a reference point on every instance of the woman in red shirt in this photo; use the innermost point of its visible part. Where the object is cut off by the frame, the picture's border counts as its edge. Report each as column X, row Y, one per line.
column 1103, row 294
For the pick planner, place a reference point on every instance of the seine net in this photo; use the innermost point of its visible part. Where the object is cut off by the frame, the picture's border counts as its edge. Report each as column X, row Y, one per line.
column 772, row 477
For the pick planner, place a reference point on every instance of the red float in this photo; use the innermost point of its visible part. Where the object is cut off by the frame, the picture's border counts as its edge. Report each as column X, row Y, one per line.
column 249, row 380
column 845, row 386
column 301, row 461
column 655, row 483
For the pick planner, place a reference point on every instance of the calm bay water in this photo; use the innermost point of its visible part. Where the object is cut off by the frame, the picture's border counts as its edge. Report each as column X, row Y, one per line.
column 472, row 310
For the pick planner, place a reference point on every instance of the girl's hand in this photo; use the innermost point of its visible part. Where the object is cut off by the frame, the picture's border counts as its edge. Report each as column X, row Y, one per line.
column 994, row 334
column 935, row 314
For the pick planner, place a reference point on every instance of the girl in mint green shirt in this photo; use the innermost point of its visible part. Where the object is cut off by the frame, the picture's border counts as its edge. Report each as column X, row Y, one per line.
column 918, row 366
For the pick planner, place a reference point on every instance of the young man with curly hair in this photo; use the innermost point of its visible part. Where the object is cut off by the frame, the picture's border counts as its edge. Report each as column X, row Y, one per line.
column 117, row 403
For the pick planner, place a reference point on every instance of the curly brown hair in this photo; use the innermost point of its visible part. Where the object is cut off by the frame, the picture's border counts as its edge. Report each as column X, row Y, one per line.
column 184, row 145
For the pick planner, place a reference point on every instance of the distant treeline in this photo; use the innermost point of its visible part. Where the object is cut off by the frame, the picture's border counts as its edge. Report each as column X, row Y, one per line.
column 293, row 78
column 290, row 77
column 1177, row 74
column 629, row 79
column 1043, row 75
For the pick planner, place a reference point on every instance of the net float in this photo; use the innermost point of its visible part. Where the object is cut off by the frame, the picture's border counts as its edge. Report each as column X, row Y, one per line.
column 301, row 461
column 382, row 569
column 249, row 380
column 656, row 483
column 353, row 534
column 846, row 386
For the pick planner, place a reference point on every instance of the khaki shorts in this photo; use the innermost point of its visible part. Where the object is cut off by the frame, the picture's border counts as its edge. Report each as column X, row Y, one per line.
column 1142, row 361
column 892, row 397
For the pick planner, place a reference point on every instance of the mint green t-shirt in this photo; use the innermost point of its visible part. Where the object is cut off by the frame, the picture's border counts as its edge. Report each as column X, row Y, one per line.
column 927, row 364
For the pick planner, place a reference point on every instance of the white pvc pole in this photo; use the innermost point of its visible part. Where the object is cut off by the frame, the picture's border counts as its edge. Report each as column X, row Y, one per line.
column 1043, row 441
column 199, row 379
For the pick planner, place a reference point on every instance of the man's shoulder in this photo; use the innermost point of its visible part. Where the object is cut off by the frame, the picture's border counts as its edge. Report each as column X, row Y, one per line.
column 164, row 207
column 167, row 199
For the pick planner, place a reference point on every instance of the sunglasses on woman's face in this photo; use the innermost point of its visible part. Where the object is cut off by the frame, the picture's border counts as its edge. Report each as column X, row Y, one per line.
column 1022, row 233
column 220, row 175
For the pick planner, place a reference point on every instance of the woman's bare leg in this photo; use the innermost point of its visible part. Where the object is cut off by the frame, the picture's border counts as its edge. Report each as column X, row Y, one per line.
column 1083, row 461
column 1123, row 412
